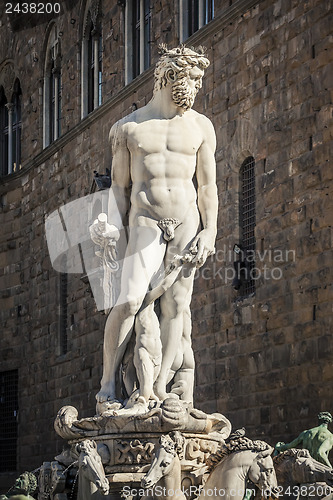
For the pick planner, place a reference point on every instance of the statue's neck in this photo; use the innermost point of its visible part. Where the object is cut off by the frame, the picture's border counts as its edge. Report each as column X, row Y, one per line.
column 163, row 106
column 172, row 481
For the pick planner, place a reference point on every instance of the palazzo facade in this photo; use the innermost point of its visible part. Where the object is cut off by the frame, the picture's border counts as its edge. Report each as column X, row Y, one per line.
column 262, row 306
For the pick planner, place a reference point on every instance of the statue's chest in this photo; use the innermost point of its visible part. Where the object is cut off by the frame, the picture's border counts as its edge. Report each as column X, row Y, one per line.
column 158, row 136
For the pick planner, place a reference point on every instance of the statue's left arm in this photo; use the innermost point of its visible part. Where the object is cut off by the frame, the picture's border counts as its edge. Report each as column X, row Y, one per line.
column 204, row 242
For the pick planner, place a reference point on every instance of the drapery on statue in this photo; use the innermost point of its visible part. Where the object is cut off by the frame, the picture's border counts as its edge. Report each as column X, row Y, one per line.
column 157, row 151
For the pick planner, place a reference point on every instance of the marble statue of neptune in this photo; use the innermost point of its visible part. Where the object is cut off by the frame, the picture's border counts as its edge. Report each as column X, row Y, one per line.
column 164, row 181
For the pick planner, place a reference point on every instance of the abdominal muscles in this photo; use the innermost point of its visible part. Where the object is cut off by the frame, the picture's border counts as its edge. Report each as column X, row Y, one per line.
column 162, row 200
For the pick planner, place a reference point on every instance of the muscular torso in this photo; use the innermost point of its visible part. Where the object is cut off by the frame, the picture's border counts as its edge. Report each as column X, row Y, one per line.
column 314, row 438
column 163, row 162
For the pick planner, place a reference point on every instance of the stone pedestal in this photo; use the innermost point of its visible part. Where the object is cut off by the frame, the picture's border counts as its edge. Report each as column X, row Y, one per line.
column 127, row 443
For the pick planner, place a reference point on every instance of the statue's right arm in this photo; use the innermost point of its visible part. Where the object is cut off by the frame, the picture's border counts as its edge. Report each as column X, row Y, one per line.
column 120, row 173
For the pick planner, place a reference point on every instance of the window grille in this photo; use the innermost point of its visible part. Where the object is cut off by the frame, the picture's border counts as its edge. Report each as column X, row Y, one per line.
column 8, row 420
column 247, row 216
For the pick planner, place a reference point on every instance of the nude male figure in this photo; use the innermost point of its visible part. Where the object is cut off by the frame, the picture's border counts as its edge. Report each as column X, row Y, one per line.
column 318, row 440
column 157, row 150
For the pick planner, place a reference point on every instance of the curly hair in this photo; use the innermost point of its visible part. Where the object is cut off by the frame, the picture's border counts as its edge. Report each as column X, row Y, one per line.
column 27, row 482
column 325, row 417
column 177, row 62
column 173, row 443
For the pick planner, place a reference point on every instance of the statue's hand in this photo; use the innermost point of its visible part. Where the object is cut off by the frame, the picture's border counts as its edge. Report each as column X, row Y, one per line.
column 204, row 246
column 103, row 233
column 280, row 446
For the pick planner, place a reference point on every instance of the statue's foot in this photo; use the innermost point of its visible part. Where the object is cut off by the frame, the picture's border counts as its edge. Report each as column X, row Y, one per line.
column 160, row 391
column 108, row 407
column 179, row 388
column 106, row 402
column 106, row 394
column 137, row 406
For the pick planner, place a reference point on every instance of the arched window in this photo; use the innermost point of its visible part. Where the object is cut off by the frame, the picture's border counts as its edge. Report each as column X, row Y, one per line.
column 92, row 50
column 55, row 101
column 193, row 15
column 247, row 220
column 52, row 90
column 16, row 127
column 138, row 38
column 10, row 129
column 3, row 132
column 94, row 69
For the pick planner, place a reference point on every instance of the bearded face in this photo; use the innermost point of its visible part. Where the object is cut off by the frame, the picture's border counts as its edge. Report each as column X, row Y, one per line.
column 183, row 94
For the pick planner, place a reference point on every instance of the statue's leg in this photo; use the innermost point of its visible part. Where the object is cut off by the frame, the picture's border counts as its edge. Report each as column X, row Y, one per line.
column 175, row 301
column 184, row 377
column 148, row 350
column 173, row 304
column 144, row 255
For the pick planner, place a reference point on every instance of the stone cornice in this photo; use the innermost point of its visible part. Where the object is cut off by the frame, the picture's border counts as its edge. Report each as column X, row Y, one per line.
column 213, row 27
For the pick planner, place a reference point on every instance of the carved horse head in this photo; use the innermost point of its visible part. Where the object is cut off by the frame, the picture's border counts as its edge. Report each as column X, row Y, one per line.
column 262, row 472
column 91, row 467
column 166, row 461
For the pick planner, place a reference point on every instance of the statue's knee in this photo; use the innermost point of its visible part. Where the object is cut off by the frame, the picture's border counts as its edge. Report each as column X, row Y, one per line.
column 173, row 308
column 133, row 305
column 127, row 307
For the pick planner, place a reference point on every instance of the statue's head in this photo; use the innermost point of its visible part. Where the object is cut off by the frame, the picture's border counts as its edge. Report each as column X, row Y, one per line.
column 26, row 483
column 183, row 69
column 325, row 417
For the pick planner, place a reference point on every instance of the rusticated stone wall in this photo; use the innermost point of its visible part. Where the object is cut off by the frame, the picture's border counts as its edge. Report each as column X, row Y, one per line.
column 264, row 361
column 272, row 99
